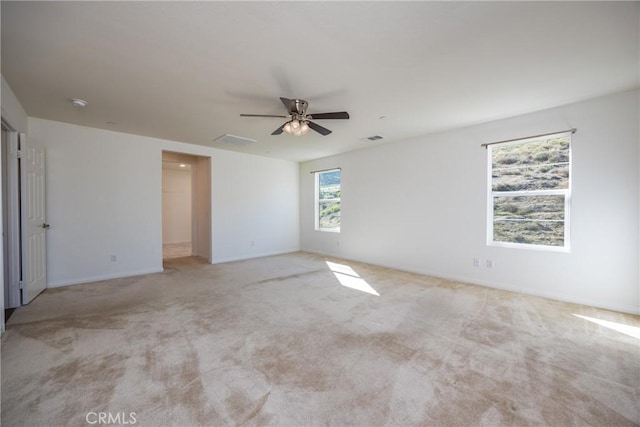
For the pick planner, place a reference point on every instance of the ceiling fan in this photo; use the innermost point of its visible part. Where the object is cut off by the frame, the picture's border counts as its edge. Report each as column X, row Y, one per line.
column 299, row 121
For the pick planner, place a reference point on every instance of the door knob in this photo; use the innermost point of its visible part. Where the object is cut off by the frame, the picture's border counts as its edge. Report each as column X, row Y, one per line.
column 45, row 225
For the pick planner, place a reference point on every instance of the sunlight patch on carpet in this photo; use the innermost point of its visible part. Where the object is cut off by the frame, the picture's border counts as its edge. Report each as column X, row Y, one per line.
column 350, row 279
column 632, row 331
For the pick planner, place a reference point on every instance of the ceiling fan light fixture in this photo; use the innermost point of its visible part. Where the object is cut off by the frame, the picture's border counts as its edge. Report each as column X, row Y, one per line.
column 296, row 127
column 304, row 128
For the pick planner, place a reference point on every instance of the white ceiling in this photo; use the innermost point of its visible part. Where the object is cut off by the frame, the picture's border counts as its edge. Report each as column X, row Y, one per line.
column 186, row 70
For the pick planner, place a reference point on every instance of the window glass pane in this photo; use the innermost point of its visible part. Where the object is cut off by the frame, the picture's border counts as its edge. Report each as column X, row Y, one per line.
column 329, row 215
column 539, row 208
column 329, row 185
column 528, row 178
column 328, row 200
column 542, row 152
column 535, row 220
column 535, row 165
column 529, row 232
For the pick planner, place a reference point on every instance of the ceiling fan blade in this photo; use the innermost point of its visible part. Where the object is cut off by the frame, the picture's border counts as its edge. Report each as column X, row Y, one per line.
column 279, row 130
column 261, row 115
column 318, row 128
column 288, row 103
column 336, row 115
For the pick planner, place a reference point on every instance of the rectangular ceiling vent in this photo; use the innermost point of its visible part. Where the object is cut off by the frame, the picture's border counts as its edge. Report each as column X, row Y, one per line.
column 233, row 140
column 372, row 138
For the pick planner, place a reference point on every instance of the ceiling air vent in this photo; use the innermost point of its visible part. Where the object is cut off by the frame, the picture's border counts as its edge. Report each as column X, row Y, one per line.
column 233, row 140
column 372, row 138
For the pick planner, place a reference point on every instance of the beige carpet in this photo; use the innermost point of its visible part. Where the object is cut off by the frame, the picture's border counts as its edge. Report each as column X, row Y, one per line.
column 280, row 341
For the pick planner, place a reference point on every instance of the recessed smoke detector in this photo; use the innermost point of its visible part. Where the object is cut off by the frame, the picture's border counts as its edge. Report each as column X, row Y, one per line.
column 233, row 140
column 78, row 103
column 372, row 138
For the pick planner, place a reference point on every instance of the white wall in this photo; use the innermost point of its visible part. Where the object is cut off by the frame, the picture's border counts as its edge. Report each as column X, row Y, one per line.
column 12, row 110
column 201, row 174
column 420, row 205
column 105, row 198
column 253, row 206
column 176, row 205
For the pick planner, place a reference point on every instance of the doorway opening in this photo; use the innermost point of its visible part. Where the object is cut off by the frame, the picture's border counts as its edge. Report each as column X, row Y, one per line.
column 186, row 206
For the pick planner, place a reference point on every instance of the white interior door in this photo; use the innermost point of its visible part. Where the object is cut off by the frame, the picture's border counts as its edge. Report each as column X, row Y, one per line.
column 34, row 224
column 13, row 237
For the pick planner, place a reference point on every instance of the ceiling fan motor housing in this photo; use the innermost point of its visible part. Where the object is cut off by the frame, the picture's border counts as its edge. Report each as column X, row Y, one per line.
column 298, row 108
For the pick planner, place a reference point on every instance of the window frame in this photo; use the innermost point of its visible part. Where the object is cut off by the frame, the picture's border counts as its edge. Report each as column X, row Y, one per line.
column 317, row 201
column 566, row 192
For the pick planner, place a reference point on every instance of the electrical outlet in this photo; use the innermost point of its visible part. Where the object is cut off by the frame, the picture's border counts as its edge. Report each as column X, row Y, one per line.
column 489, row 263
column 476, row 262
column 114, row 258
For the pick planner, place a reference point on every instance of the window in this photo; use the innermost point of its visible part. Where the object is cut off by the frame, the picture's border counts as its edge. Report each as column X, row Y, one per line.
column 328, row 200
column 529, row 192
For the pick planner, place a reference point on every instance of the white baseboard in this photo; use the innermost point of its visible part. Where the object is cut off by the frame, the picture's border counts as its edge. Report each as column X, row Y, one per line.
column 550, row 295
column 252, row 256
column 100, row 278
column 505, row 287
